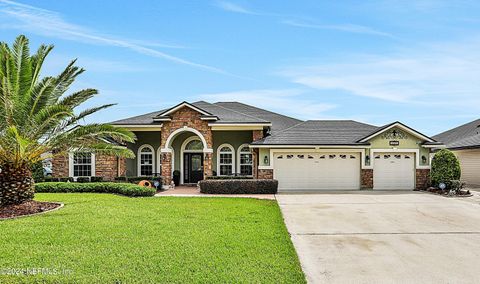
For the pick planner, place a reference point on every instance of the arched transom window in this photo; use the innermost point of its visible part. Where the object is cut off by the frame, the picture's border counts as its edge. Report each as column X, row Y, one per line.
column 145, row 160
column 225, row 160
column 245, row 161
column 194, row 145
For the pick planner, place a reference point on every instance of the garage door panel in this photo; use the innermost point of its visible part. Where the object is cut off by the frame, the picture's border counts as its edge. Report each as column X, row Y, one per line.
column 470, row 165
column 317, row 171
column 394, row 171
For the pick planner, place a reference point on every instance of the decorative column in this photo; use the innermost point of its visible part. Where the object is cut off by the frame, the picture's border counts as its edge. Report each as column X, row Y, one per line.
column 207, row 164
column 167, row 168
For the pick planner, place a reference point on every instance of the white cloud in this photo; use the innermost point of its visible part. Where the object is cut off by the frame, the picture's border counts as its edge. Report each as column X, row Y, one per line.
column 289, row 102
column 350, row 28
column 49, row 23
column 232, row 7
column 439, row 74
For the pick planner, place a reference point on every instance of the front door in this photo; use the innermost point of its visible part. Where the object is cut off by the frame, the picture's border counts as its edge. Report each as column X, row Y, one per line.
column 193, row 167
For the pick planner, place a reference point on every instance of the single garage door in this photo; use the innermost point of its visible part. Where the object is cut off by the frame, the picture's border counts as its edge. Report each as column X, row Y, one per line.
column 317, row 171
column 394, row 171
column 470, row 165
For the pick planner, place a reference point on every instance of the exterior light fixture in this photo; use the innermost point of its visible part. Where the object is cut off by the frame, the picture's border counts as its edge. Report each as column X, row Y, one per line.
column 367, row 159
column 424, row 159
column 265, row 160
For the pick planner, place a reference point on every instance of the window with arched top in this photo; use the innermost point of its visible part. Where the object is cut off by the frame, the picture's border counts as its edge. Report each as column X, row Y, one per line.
column 245, row 160
column 146, row 160
column 194, row 145
column 225, row 160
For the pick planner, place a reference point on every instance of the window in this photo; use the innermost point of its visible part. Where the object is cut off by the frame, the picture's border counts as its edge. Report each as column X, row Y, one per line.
column 332, row 156
column 289, row 156
column 145, row 160
column 310, row 156
column 195, row 145
column 225, row 160
column 83, row 164
column 301, row 156
column 352, row 157
column 280, row 157
column 245, row 161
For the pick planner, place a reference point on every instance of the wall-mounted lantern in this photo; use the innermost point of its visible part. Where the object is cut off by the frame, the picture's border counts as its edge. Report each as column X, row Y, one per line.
column 367, row 159
column 424, row 159
column 265, row 160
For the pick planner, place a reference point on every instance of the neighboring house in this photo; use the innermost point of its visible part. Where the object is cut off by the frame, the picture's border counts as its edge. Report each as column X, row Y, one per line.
column 230, row 138
column 464, row 141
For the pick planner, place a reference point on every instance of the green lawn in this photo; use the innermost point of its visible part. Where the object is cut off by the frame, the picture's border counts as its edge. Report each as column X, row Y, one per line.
column 103, row 238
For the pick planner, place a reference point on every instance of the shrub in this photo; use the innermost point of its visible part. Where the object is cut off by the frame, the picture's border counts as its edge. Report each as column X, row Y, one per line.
column 98, row 187
column 229, row 177
column 96, row 179
column 58, row 179
column 239, row 186
column 456, row 185
column 37, row 172
column 83, row 179
column 445, row 167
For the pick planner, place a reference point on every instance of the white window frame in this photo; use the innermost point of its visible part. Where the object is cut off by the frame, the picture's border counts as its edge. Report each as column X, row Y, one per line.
column 239, row 160
column 71, row 165
column 139, row 160
column 218, row 158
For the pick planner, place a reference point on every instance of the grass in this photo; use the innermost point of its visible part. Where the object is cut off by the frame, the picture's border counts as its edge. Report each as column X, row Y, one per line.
column 103, row 238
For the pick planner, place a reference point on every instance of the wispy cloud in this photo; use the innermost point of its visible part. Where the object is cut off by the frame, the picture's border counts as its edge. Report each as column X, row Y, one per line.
column 232, row 7
column 435, row 74
column 350, row 28
column 49, row 23
column 286, row 101
column 298, row 22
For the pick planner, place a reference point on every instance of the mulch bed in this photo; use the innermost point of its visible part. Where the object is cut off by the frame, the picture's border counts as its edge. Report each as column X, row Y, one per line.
column 460, row 193
column 26, row 208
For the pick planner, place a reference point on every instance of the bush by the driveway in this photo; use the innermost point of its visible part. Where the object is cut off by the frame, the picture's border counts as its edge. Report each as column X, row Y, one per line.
column 445, row 167
column 127, row 189
column 239, row 186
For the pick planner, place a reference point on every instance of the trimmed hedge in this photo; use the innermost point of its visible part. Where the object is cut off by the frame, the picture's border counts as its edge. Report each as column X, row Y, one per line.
column 445, row 167
column 229, row 177
column 239, row 186
column 58, row 179
column 98, row 187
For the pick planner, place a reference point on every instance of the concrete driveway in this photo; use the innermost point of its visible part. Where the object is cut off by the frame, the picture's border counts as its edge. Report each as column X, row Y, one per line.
column 384, row 237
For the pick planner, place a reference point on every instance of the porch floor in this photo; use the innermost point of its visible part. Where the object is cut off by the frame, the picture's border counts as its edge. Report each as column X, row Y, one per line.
column 193, row 191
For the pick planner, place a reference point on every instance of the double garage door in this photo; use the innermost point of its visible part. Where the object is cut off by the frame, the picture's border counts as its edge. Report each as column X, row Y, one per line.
column 341, row 171
column 317, row 171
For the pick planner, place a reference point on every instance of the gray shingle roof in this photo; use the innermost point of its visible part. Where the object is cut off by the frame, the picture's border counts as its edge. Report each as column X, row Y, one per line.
column 144, row 119
column 226, row 112
column 279, row 122
column 464, row 136
column 321, row 132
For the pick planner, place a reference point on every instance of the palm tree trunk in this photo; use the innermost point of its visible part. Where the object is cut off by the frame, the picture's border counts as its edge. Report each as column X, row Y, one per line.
column 16, row 184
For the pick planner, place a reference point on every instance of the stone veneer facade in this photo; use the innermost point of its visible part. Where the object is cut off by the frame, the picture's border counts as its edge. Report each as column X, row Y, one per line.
column 422, row 179
column 107, row 167
column 366, row 177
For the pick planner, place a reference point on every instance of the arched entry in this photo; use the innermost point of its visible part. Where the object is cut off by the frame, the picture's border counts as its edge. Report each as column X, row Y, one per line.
column 195, row 156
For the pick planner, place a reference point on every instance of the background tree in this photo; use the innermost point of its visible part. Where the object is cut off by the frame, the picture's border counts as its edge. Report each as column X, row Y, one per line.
column 445, row 168
column 37, row 117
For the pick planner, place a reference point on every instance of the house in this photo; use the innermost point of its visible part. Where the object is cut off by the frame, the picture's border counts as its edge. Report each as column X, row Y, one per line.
column 229, row 138
column 464, row 141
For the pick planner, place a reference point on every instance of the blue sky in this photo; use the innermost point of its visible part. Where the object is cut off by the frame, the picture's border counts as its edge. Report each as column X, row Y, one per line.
column 372, row 61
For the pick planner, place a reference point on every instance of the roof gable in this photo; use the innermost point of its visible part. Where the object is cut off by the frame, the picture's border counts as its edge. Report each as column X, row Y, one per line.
column 399, row 125
column 181, row 105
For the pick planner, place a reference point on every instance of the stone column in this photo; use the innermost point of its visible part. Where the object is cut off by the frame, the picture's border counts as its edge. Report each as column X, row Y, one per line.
column 167, row 169
column 207, row 164
column 367, row 179
column 255, row 162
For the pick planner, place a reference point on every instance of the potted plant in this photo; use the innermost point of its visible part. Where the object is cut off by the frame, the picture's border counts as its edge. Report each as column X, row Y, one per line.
column 176, row 177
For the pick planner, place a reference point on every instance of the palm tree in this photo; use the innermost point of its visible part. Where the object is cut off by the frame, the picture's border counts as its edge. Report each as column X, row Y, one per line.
column 36, row 117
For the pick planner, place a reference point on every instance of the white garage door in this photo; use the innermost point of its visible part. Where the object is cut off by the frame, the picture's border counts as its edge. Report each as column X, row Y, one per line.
column 394, row 171
column 470, row 165
column 317, row 171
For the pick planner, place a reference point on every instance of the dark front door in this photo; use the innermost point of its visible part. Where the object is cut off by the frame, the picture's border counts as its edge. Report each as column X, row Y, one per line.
column 192, row 167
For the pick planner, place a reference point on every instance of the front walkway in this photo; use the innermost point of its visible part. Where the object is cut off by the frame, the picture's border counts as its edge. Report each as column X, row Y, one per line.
column 384, row 237
column 192, row 191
